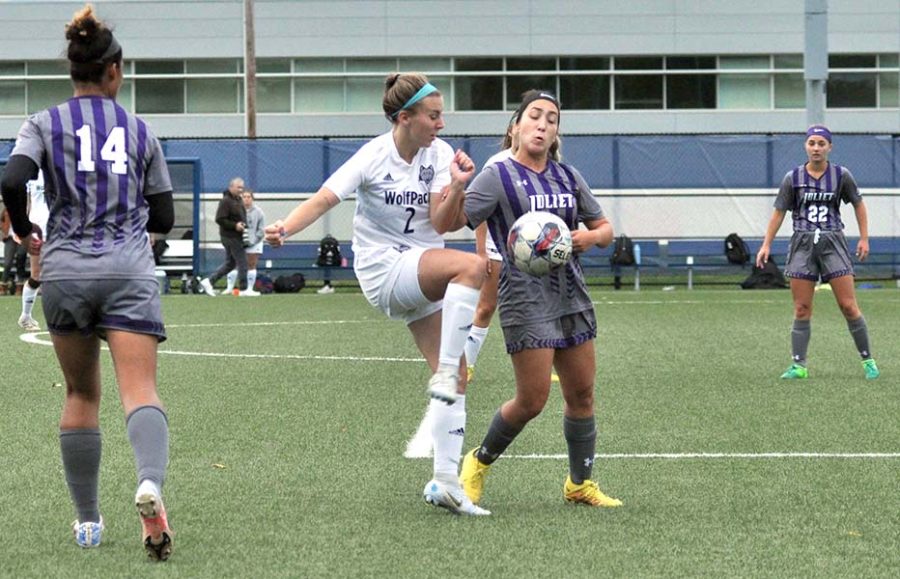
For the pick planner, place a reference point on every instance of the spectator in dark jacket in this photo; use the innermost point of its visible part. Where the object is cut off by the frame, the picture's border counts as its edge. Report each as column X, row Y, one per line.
column 232, row 219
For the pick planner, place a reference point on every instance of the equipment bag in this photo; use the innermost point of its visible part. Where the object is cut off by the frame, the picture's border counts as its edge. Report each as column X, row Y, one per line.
column 736, row 249
column 329, row 252
column 767, row 277
column 623, row 251
column 289, row 284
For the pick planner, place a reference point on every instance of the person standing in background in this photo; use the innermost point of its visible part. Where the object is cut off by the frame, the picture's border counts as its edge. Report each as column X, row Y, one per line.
column 232, row 219
column 253, row 239
column 38, row 215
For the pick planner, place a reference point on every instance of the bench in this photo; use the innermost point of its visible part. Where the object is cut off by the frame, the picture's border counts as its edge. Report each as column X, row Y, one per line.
column 178, row 258
column 301, row 257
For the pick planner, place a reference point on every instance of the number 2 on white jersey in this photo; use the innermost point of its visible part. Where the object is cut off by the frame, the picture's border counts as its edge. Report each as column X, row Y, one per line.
column 113, row 150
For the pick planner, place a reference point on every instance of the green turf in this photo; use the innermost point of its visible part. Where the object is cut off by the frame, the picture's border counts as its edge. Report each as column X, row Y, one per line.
column 290, row 464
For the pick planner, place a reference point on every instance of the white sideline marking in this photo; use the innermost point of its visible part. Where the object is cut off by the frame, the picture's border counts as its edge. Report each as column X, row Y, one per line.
column 33, row 338
column 715, row 455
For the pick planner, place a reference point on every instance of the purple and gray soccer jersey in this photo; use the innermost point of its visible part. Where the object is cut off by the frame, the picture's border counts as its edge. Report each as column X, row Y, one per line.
column 816, row 203
column 499, row 195
column 99, row 163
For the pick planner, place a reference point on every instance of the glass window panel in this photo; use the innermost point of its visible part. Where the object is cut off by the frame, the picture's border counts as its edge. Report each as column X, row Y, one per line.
column 890, row 90
column 48, row 67
column 584, row 92
column 790, row 91
column 273, row 65
column 12, row 97
column 472, row 64
column 212, row 95
column 318, row 65
column 851, row 61
column 530, row 64
column 583, row 63
column 743, row 62
column 424, row 64
column 318, row 95
column 638, row 63
column 12, row 68
column 889, row 60
column 846, row 90
column 384, row 65
column 43, row 94
column 744, row 92
column 516, row 85
column 481, row 93
column 788, row 61
column 691, row 91
column 639, row 92
column 690, row 62
column 159, row 96
column 273, row 95
column 124, row 97
column 158, row 66
column 212, row 66
column 365, row 94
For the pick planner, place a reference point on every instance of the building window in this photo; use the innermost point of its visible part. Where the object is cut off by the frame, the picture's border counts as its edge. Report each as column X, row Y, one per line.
column 639, row 92
column 852, row 90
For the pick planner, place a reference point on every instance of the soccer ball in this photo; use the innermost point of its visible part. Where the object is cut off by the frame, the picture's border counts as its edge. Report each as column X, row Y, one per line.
column 539, row 242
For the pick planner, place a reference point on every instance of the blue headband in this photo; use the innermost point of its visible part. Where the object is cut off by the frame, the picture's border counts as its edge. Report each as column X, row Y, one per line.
column 423, row 92
column 819, row 131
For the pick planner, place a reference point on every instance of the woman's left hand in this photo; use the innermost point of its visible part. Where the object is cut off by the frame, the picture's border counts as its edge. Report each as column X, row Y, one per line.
column 583, row 240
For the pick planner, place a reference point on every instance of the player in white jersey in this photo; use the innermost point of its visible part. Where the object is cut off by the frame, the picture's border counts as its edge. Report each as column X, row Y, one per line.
column 548, row 321
column 400, row 260
column 813, row 193
column 38, row 215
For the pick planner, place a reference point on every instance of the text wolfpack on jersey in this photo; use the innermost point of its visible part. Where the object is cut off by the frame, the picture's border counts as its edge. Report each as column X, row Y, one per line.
column 544, row 202
column 405, row 198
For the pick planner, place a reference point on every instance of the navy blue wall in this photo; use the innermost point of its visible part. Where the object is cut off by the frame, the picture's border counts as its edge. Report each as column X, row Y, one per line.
column 607, row 162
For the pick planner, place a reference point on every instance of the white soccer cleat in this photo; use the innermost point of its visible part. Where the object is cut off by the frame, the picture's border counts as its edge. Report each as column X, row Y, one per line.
column 207, row 287
column 28, row 323
column 249, row 293
column 452, row 498
column 442, row 386
column 325, row 289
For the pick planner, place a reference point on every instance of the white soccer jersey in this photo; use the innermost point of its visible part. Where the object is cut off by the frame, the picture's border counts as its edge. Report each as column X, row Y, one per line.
column 392, row 206
column 38, row 213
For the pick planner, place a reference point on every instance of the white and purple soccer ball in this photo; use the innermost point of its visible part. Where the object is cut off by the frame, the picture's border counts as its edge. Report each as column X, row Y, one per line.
column 539, row 242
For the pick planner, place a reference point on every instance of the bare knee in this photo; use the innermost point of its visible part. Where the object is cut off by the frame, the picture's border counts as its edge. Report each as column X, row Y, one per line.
column 527, row 408
column 802, row 310
column 472, row 270
column 850, row 309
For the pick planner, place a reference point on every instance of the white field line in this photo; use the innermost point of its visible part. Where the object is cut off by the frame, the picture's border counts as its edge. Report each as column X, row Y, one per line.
column 717, row 455
column 38, row 339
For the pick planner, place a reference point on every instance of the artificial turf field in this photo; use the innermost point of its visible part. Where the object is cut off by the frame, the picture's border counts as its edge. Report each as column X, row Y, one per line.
column 289, row 416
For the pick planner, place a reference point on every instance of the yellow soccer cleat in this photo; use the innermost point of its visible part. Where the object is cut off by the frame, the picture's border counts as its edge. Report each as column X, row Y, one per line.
column 588, row 493
column 470, row 374
column 472, row 474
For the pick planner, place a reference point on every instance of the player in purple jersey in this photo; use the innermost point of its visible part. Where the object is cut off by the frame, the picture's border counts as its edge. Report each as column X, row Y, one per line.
column 547, row 322
column 107, row 185
column 813, row 192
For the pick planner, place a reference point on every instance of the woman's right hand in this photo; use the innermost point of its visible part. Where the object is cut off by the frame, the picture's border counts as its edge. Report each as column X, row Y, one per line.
column 762, row 256
column 275, row 234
